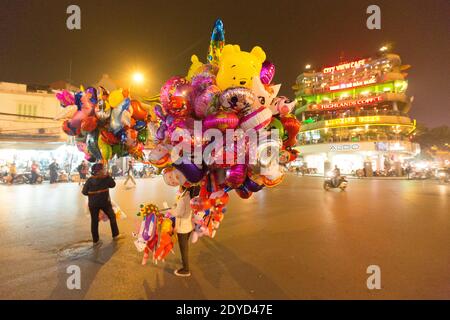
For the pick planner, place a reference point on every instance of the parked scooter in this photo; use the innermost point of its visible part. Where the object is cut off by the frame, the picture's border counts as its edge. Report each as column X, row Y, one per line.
column 332, row 182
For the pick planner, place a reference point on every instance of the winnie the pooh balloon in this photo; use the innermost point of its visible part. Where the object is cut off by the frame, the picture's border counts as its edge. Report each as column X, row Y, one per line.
column 238, row 68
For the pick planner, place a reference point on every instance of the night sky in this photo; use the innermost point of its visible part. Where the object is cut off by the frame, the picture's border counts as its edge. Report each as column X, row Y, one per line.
column 158, row 37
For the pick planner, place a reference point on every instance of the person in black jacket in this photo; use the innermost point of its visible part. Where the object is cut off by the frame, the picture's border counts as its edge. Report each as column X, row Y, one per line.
column 97, row 190
column 53, row 167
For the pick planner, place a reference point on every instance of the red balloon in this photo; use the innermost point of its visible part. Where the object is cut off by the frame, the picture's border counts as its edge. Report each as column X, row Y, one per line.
column 243, row 193
column 292, row 127
column 200, row 204
column 89, row 124
column 138, row 112
column 69, row 130
column 109, row 137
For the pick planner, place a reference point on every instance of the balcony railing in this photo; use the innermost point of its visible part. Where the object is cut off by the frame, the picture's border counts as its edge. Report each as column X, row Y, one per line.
column 358, row 138
column 358, row 119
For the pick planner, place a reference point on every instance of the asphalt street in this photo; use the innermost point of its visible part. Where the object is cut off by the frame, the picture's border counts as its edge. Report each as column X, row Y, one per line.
column 295, row 241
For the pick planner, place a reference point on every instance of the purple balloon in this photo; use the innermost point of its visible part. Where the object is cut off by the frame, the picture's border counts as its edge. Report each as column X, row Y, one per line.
column 202, row 81
column 161, row 132
column 206, row 101
column 267, row 72
column 251, row 185
column 159, row 112
column 192, row 173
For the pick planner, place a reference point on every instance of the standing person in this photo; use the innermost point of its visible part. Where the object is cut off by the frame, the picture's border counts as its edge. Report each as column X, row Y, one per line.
column 83, row 170
column 53, row 167
column 184, row 225
column 114, row 171
column 97, row 190
column 12, row 172
column 408, row 171
column 34, row 172
column 130, row 173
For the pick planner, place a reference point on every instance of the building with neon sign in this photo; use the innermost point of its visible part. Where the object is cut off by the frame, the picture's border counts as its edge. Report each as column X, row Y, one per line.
column 355, row 115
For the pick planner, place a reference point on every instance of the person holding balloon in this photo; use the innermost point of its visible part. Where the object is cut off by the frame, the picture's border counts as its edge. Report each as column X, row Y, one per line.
column 96, row 189
column 184, row 225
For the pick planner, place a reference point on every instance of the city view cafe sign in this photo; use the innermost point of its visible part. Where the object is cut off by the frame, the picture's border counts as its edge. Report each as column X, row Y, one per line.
column 345, row 104
column 345, row 66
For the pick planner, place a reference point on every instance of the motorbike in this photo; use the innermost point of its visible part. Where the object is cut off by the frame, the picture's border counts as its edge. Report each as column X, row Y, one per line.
column 331, row 183
column 443, row 176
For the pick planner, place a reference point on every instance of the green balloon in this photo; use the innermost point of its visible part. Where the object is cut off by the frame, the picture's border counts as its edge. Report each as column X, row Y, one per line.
column 277, row 125
column 118, row 150
column 143, row 135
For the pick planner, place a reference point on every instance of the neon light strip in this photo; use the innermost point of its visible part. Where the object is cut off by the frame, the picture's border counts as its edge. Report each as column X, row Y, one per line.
column 361, row 125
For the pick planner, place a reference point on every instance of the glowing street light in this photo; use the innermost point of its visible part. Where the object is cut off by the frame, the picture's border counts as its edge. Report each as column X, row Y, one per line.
column 307, row 67
column 384, row 48
column 138, row 78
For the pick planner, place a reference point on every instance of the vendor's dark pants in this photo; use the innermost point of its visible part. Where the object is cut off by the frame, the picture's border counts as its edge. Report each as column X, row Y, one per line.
column 53, row 177
column 108, row 210
column 183, row 241
column 34, row 177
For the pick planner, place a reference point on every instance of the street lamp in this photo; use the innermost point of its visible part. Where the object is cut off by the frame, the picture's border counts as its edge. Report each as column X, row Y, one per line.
column 307, row 67
column 138, row 78
column 384, row 48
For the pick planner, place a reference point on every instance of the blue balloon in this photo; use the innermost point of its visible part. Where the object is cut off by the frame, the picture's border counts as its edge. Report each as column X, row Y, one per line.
column 93, row 93
column 140, row 125
column 78, row 96
column 218, row 33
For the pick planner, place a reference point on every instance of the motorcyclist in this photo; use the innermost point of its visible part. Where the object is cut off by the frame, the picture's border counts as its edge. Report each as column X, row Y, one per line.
column 336, row 176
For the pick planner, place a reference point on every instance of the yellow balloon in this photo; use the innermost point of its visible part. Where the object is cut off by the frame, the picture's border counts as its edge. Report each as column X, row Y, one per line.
column 115, row 98
column 105, row 149
column 166, row 225
column 238, row 68
column 194, row 68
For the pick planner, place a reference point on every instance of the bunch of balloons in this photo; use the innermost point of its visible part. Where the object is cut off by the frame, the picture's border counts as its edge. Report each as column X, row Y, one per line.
column 232, row 90
column 104, row 124
column 156, row 236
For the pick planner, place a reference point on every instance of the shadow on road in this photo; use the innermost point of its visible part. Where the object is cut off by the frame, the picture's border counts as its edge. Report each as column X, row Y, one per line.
column 90, row 262
column 220, row 260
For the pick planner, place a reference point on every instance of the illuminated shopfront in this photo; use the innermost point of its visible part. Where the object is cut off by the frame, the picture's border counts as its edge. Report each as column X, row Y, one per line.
column 355, row 115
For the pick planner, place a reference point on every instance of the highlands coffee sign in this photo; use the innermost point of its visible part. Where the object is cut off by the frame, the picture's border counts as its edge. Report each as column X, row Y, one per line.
column 346, row 104
column 345, row 66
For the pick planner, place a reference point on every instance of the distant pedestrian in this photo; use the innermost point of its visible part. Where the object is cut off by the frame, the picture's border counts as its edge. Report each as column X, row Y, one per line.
column 12, row 172
column 408, row 171
column 130, row 174
column 115, row 170
column 34, row 172
column 97, row 189
column 53, row 168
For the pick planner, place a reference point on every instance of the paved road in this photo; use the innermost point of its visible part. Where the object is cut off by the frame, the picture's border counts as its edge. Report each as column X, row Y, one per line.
column 291, row 242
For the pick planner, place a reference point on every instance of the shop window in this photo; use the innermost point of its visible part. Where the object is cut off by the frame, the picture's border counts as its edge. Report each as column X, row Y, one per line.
column 24, row 110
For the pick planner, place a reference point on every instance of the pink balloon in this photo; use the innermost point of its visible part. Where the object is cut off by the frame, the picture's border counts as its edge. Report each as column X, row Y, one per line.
column 235, row 176
column 267, row 72
column 222, row 120
column 176, row 96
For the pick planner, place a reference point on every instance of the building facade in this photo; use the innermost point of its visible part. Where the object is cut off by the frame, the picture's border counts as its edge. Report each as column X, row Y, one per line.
column 355, row 115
